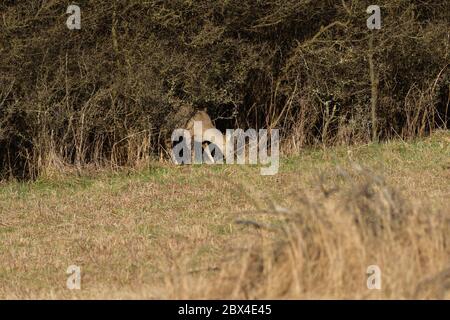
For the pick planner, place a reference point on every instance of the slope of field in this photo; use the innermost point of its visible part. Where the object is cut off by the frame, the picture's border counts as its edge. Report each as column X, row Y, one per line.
column 208, row 231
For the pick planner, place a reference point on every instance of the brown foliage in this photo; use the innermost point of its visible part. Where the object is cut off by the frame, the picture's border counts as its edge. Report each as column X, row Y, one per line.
column 110, row 93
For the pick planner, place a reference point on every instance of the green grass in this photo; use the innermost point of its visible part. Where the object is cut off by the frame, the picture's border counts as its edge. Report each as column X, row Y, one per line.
column 129, row 228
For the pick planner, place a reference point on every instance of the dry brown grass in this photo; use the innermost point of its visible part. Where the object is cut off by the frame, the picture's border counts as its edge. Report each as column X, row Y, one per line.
column 171, row 232
column 328, row 240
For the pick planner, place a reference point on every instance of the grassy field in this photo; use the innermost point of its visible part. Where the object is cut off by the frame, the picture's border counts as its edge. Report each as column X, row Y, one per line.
column 228, row 232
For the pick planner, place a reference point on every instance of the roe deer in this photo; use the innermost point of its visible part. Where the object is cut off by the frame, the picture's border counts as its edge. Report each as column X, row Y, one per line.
column 206, row 135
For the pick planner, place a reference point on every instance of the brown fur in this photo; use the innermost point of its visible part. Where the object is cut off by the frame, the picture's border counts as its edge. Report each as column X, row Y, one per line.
column 199, row 116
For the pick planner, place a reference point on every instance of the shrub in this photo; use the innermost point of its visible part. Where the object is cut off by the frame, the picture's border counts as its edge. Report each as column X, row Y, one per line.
column 110, row 93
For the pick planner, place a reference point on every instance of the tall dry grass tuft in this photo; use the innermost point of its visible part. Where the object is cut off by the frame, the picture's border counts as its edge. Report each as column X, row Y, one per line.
column 326, row 241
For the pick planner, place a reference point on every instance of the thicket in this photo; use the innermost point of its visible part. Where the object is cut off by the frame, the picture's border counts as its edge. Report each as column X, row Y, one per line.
column 110, row 93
